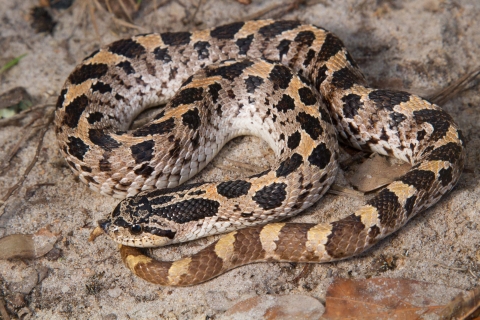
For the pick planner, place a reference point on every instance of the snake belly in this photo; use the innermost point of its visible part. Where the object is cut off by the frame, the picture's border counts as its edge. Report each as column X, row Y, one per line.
column 291, row 84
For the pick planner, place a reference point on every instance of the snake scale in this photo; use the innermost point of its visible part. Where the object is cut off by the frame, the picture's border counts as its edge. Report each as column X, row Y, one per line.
column 292, row 84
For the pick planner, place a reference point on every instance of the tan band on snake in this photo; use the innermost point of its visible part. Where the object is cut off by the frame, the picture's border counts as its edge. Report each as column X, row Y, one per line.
column 295, row 86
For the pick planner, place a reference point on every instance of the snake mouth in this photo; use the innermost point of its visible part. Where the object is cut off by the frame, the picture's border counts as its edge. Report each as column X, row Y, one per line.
column 104, row 224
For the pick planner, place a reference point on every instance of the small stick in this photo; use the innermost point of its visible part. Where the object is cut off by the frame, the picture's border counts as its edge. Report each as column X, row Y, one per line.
column 249, row 167
column 12, row 189
column 3, row 311
column 24, row 137
column 446, row 94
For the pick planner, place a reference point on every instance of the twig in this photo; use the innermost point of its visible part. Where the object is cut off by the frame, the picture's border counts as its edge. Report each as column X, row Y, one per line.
column 230, row 168
column 292, row 6
column 24, row 137
column 3, row 311
column 129, row 25
column 249, row 167
column 440, row 264
column 32, row 163
column 455, row 88
column 21, row 115
column 342, row 191
column 161, row 4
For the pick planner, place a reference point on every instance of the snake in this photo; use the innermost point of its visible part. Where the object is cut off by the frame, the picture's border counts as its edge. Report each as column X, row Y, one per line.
column 292, row 84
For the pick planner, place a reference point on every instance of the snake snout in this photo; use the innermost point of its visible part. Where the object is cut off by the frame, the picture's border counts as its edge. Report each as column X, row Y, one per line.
column 104, row 224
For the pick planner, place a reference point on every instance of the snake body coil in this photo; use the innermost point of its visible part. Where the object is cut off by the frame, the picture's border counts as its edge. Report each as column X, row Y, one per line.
column 292, row 84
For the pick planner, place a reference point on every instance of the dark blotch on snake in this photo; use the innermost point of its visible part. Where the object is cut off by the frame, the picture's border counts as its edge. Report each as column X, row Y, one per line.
column 320, row 156
column 87, row 72
column 330, row 47
column 175, row 38
column 188, row 210
column 186, row 96
column 283, row 48
column 202, row 49
column 277, row 28
column 409, row 205
column 74, row 110
column 126, row 66
column 439, row 119
column 243, row 44
column 351, row 103
column 285, row 104
column 162, row 54
column 271, row 196
column 397, row 118
column 127, row 48
column 305, row 38
column 321, row 76
column 306, row 96
column 145, row 170
column 308, row 58
column 289, row 165
column 344, row 231
column 261, row 174
column 344, row 78
column 310, row 125
column 280, row 76
column 213, row 89
column 294, row 140
column 101, row 87
column 156, row 128
column 103, row 140
column 445, row 176
column 230, row 71
column 233, row 189
column 61, row 98
column 77, row 148
column 94, row 117
column 227, row 31
column 191, row 119
column 143, row 151
column 91, row 55
column 448, row 152
column 253, row 82
column 387, row 99
column 388, row 208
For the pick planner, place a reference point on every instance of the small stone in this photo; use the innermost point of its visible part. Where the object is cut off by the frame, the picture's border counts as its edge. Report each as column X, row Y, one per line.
column 111, row 316
column 29, row 279
column 17, row 300
column 276, row 307
column 54, row 254
column 115, row 292
column 218, row 301
column 42, row 272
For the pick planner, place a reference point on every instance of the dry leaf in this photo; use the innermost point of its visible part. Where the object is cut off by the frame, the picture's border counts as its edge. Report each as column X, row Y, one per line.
column 383, row 298
column 376, row 172
column 27, row 246
column 464, row 306
column 276, row 307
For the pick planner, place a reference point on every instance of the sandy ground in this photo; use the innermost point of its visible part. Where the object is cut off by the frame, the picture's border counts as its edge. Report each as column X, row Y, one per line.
column 418, row 45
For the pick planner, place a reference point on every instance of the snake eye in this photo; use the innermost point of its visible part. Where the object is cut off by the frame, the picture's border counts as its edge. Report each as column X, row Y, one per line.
column 135, row 229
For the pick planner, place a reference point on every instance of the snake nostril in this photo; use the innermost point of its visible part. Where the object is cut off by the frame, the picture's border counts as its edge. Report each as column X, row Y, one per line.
column 104, row 224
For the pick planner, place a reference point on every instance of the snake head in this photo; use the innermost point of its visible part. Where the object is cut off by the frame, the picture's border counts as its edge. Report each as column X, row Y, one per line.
column 131, row 227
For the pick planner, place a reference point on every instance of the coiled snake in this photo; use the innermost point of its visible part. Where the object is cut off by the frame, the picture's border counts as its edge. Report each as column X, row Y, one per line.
column 292, row 84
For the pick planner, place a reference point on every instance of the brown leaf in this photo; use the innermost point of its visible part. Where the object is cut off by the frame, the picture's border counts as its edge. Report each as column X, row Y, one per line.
column 27, row 246
column 376, row 172
column 384, row 298
column 464, row 306
column 276, row 307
